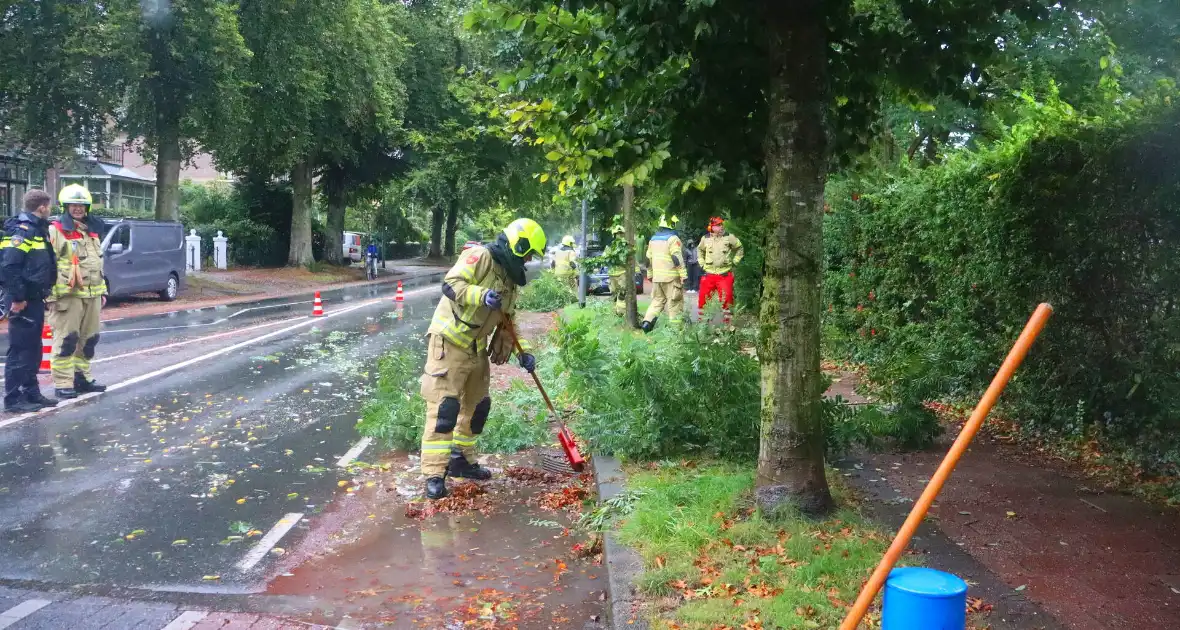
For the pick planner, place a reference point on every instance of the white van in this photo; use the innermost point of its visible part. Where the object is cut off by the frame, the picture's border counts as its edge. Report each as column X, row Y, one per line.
column 353, row 250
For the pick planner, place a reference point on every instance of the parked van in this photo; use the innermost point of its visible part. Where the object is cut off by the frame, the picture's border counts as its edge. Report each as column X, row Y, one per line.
column 353, row 250
column 144, row 257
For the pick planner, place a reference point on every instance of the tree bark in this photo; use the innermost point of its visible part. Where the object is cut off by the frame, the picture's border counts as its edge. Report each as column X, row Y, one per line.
column 632, row 315
column 334, row 193
column 791, row 449
column 300, row 253
column 436, row 228
column 452, row 226
column 167, row 168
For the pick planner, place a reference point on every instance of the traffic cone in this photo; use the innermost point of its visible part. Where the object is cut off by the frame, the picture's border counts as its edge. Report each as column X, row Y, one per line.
column 46, row 349
column 399, row 296
column 317, row 307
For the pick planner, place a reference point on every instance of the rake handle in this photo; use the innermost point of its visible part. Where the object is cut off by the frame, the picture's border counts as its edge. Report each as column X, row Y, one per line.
column 510, row 328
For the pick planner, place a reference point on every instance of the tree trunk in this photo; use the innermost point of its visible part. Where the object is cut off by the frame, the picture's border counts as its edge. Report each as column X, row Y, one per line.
column 632, row 314
column 791, row 449
column 436, row 229
column 452, row 227
column 333, row 187
column 300, row 253
column 167, row 169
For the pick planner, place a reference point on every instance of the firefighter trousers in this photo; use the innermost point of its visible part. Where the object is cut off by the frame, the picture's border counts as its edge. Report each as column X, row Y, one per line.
column 669, row 295
column 75, row 322
column 455, row 386
column 618, row 289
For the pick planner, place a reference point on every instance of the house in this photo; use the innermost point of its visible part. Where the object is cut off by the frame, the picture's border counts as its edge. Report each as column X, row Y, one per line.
column 14, row 182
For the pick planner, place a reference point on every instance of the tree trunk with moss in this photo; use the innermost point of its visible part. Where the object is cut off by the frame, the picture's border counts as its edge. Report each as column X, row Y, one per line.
column 301, row 188
column 632, row 314
column 791, row 450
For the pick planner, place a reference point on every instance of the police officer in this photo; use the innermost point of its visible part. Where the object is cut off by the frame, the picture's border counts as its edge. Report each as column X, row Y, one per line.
column 479, row 294
column 667, row 273
column 78, row 294
column 28, row 271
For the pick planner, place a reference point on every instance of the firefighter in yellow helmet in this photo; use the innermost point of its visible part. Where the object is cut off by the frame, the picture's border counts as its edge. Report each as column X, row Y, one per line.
column 565, row 263
column 78, row 294
column 667, row 272
column 616, row 256
column 479, row 293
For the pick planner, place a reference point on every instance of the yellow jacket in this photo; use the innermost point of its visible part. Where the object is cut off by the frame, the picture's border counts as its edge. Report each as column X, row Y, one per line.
column 79, row 262
column 666, row 253
column 564, row 262
column 464, row 320
column 718, row 254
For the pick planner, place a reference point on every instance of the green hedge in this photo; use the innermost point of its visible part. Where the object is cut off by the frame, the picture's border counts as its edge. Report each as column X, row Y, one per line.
column 932, row 274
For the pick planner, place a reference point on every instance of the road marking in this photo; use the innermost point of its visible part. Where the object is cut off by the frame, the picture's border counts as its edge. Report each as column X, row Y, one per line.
column 212, row 323
column 186, row 620
column 21, row 610
column 269, row 541
column 354, row 452
column 183, row 364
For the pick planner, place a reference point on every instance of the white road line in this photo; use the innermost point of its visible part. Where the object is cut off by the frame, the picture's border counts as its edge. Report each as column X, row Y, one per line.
column 183, row 364
column 269, row 541
column 21, row 610
column 354, row 452
column 186, row 620
column 212, row 323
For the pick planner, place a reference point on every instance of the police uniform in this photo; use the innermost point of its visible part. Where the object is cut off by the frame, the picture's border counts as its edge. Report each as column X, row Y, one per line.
column 667, row 273
column 465, row 335
column 28, row 270
column 77, row 304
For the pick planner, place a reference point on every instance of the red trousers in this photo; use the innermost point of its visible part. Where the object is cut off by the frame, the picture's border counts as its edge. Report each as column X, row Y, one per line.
column 712, row 282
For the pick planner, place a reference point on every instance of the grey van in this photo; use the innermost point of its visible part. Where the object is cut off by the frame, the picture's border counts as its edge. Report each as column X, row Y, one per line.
column 144, row 257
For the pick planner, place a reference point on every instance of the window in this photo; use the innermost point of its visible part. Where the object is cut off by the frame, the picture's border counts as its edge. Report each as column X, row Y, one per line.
column 122, row 236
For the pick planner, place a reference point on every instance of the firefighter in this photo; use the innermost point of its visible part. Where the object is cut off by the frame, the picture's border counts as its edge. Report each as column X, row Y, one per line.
column 479, row 293
column 616, row 256
column 28, row 272
column 565, row 263
column 668, row 274
column 78, row 295
column 718, row 253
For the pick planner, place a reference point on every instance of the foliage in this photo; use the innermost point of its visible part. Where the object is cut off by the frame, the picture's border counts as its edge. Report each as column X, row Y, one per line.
column 728, row 565
column 932, row 274
column 210, row 208
column 545, row 294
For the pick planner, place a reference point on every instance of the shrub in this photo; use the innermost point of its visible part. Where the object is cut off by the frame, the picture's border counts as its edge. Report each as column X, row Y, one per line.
column 932, row 274
column 212, row 208
column 545, row 294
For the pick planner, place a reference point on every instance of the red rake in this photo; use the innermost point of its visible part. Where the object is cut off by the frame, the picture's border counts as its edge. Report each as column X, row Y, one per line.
column 563, row 433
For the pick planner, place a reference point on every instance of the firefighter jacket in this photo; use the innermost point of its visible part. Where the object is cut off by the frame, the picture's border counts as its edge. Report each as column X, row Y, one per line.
column 79, row 261
column 463, row 318
column 615, row 257
column 27, row 269
column 564, row 261
column 666, row 253
column 718, row 254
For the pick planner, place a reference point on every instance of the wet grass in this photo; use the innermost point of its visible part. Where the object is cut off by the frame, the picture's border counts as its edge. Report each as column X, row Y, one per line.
column 714, row 561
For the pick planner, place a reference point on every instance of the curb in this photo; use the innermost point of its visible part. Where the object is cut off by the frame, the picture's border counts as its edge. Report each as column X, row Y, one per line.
column 623, row 564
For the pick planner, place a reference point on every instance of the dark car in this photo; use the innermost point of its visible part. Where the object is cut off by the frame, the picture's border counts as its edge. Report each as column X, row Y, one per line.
column 598, row 282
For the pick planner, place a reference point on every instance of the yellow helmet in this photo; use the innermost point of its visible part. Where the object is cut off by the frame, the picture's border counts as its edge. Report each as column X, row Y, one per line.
column 567, row 240
column 668, row 221
column 75, row 194
column 525, row 237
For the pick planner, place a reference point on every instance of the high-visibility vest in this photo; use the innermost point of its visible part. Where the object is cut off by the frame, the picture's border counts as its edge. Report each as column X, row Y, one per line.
column 563, row 262
column 466, row 321
column 666, row 253
column 79, row 258
column 718, row 254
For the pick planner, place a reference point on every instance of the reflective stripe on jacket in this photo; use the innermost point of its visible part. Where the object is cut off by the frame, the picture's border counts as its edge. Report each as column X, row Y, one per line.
column 80, row 251
column 718, row 254
column 26, row 262
column 465, row 321
column 666, row 253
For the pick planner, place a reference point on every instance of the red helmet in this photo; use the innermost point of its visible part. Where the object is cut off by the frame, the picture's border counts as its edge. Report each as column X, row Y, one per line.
column 715, row 221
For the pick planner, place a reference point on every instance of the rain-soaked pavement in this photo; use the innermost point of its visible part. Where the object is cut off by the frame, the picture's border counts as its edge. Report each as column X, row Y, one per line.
column 217, row 485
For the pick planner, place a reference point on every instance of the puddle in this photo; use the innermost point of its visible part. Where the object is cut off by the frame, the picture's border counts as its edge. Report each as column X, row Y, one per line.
column 511, row 566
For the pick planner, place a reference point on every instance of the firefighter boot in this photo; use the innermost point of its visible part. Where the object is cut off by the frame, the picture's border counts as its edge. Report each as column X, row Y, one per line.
column 649, row 326
column 83, row 386
column 460, row 467
column 436, row 488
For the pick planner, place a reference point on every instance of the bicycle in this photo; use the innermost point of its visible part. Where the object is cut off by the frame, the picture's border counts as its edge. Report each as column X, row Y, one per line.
column 371, row 267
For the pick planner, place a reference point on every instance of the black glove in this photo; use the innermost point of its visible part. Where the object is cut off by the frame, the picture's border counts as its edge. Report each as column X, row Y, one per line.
column 528, row 362
column 491, row 299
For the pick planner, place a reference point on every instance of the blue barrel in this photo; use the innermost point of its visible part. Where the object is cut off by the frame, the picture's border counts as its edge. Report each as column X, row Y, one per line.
column 917, row 598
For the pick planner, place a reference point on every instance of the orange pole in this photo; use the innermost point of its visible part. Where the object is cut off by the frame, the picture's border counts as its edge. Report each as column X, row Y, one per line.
column 1036, row 323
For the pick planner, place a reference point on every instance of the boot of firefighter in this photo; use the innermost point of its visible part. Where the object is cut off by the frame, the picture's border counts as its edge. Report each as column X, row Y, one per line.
column 436, row 487
column 649, row 326
column 460, row 467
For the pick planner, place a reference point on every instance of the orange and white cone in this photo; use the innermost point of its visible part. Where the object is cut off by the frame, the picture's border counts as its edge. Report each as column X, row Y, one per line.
column 46, row 349
column 317, row 307
column 399, row 296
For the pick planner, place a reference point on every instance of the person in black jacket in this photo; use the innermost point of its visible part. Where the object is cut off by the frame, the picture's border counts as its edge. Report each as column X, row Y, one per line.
column 28, row 271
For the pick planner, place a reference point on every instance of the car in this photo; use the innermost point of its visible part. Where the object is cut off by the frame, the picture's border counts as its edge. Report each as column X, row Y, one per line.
column 353, row 250
column 598, row 281
column 144, row 257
